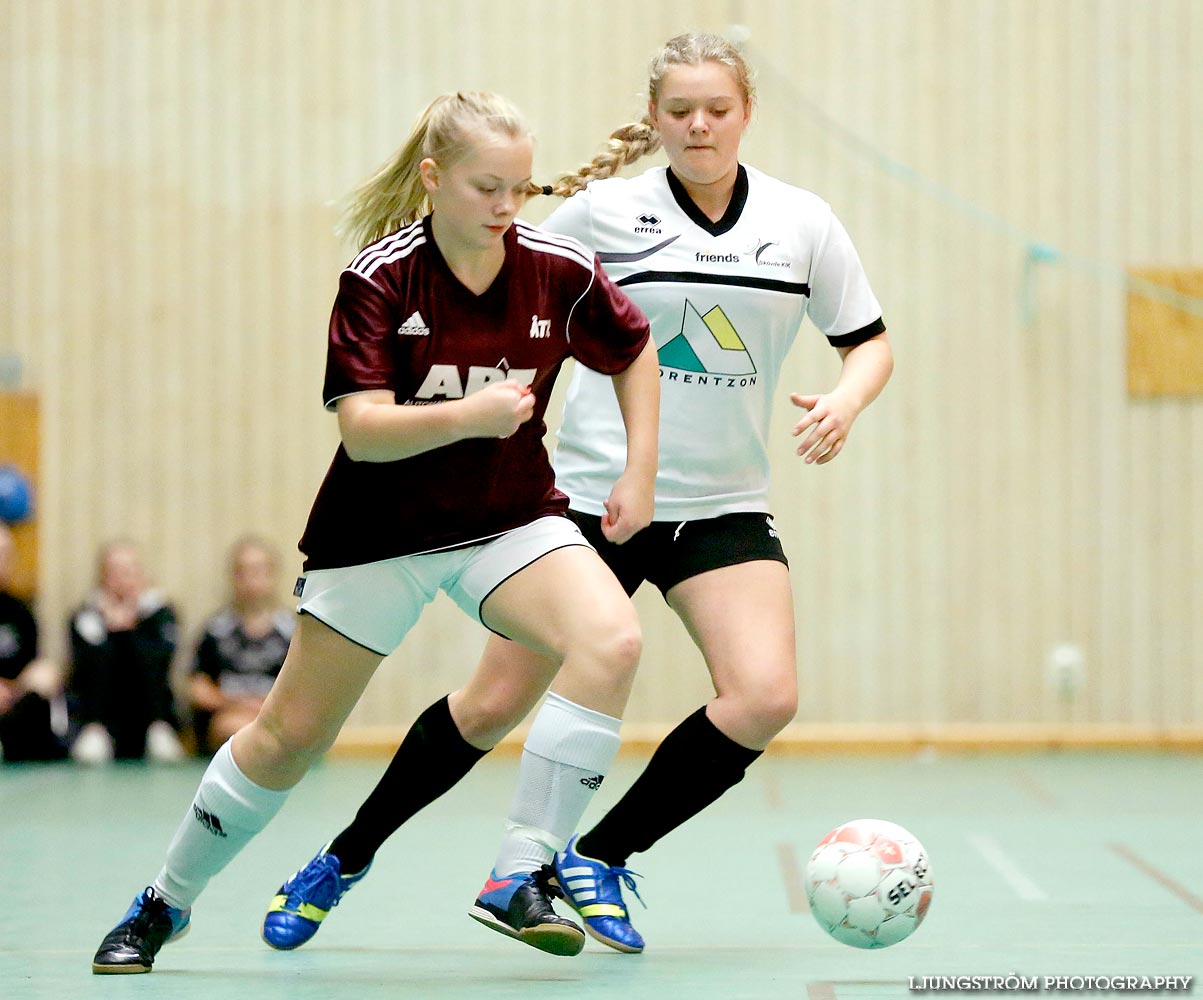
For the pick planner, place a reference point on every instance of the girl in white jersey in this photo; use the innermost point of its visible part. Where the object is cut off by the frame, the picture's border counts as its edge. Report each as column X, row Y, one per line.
column 726, row 261
column 440, row 385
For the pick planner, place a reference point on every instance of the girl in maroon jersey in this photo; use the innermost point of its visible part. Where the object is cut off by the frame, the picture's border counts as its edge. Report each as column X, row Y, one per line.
column 722, row 570
column 445, row 339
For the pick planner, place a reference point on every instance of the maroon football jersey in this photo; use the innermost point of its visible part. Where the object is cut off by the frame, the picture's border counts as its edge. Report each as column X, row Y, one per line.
column 402, row 321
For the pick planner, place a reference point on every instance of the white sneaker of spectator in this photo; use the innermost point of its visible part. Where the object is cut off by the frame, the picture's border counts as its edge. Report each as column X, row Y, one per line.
column 162, row 744
column 93, row 745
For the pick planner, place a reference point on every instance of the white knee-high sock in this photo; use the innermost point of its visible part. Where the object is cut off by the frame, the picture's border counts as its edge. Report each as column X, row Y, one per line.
column 566, row 756
column 228, row 810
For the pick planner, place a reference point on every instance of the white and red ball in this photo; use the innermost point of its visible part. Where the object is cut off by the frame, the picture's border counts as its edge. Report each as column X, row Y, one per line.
column 869, row 883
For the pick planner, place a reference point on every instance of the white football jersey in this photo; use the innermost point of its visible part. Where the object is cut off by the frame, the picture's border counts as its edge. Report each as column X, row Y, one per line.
column 725, row 300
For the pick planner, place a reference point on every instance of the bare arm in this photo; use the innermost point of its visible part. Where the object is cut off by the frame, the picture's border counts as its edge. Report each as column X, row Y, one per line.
column 375, row 429
column 631, row 503
column 829, row 417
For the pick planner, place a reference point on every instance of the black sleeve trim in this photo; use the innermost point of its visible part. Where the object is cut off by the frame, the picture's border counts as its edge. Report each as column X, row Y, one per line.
column 858, row 336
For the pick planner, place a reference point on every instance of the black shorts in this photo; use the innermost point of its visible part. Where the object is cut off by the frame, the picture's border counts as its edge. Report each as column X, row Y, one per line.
column 667, row 552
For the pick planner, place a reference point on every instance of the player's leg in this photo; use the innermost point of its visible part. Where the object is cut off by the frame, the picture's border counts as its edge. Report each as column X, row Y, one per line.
column 742, row 619
column 741, row 616
column 244, row 786
column 442, row 745
column 568, row 606
column 451, row 735
column 445, row 741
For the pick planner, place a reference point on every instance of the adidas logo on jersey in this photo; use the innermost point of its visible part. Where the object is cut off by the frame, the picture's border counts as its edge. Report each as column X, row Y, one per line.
column 415, row 326
column 593, row 783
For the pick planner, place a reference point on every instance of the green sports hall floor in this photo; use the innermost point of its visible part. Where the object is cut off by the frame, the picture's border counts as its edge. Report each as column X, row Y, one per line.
column 1045, row 864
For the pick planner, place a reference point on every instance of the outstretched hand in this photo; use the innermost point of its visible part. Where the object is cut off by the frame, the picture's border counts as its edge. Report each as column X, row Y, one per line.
column 828, row 418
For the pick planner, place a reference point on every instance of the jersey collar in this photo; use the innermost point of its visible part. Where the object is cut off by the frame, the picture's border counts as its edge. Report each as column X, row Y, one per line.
column 734, row 208
column 510, row 239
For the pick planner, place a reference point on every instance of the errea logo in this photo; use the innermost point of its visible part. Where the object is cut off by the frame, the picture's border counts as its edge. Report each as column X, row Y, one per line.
column 415, row 326
column 648, row 222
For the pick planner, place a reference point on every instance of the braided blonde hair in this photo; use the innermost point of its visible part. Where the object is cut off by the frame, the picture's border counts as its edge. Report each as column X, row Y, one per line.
column 641, row 138
column 394, row 195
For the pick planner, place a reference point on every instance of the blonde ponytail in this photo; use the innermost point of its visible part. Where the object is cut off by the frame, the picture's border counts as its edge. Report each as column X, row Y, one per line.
column 391, row 198
column 625, row 146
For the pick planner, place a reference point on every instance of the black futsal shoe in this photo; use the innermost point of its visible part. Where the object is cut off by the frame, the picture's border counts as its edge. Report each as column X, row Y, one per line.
column 132, row 945
column 519, row 906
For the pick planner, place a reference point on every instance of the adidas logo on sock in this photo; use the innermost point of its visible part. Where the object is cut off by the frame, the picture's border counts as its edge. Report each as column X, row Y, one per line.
column 415, row 326
column 594, row 782
column 208, row 821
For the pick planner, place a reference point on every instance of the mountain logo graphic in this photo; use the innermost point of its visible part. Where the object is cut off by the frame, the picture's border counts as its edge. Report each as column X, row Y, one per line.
column 708, row 344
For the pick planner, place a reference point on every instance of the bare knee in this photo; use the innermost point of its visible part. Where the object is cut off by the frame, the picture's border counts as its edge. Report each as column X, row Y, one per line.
column 485, row 714
column 612, row 643
column 774, row 710
column 753, row 717
column 621, row 646
column 276, row 752
column 599, row 665
column 609, row 652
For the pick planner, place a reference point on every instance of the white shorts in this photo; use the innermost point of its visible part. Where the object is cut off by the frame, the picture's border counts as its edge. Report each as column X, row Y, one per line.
column 376, row 604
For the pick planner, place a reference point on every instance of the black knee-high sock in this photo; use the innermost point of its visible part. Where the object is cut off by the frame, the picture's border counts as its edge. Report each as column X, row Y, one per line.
column 694, row 765
column 431, row 759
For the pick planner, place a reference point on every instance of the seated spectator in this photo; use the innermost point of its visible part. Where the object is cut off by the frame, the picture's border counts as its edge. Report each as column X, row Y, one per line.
column 123, row 640
column 241, row 649
column 28, row 685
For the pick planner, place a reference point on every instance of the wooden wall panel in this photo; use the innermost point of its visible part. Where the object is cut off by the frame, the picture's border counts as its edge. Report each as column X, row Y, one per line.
column 20, row 440
column 1165, row 341
column 167, row 266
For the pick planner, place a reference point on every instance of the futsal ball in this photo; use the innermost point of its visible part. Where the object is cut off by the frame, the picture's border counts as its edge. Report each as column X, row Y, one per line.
column 869, row 883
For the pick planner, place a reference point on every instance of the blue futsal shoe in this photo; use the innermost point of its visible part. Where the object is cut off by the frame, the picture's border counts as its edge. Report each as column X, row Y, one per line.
column 305, row 900
column 592, row 888
column 132, row 945
column 519, row 906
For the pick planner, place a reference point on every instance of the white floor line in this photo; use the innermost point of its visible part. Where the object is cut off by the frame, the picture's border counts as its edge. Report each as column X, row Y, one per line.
column 1024, row 887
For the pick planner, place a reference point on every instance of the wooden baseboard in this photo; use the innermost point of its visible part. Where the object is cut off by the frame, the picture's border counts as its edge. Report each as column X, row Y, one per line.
column 828, row 737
